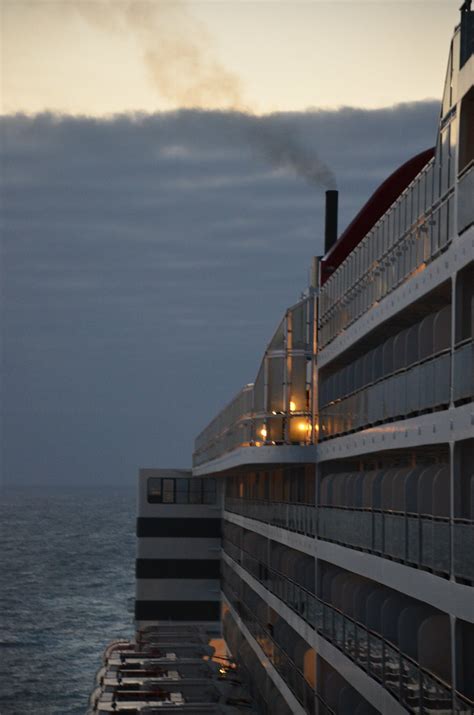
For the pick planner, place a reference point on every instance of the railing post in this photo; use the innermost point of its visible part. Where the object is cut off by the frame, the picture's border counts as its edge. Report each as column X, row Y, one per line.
column 400, row 676
column 383, row 661
column 383, row 532
column 420, row 691
column 420, row 541
column 406, row 537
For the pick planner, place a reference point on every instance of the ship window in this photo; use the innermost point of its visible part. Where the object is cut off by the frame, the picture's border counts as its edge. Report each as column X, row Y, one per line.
column 429, row 186
column 168, row 491
column 209, row 491
column 181, row 491
column 421, row 194
column 444, row 160
column 407, row 213
column 452, row 151
column 195, row 487
column 437, row 171
column 416, row 201
column 154, row 491
column 466, row 131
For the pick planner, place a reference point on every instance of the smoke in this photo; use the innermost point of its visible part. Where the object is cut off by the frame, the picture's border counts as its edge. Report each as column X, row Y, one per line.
column 281, row 146
column 178, row 54
column 176, row 50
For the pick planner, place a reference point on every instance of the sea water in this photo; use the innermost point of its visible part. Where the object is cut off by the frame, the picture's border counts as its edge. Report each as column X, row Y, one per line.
column 66, row 589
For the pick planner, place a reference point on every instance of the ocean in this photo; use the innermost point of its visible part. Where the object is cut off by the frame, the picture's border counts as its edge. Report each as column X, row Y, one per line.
column 66, row 590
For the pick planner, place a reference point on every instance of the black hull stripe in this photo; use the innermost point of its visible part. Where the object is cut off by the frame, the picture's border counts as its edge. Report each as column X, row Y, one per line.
column 177, row 610
column 177, row 568
column 180, row 528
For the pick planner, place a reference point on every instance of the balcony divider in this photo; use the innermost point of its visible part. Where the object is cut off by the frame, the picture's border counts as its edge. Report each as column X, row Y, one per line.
column 416, row 688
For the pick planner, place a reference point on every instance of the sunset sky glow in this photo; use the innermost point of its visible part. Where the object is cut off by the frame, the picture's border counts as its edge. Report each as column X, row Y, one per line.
column 100, row 57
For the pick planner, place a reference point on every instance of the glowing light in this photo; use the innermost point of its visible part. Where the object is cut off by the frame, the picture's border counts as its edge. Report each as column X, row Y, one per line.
column 263, row 432
column 222, row 670
column 305, row 427
column 292, row 406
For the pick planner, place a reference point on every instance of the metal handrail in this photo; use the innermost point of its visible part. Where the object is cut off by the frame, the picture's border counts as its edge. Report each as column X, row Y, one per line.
column 423, row 219
column 241, row 506
column 396, row 512
column 469, row 166
column 252, row 619
column 421, row 671
column 250, row 418
column 400, row 371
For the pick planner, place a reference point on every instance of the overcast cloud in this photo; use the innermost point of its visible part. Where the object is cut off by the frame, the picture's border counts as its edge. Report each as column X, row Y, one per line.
column 147, row 261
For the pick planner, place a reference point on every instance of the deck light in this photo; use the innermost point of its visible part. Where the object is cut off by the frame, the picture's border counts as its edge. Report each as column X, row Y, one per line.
column 303, row 426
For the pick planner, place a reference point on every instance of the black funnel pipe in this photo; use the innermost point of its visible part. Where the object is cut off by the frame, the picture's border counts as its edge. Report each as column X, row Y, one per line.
column 330, row 229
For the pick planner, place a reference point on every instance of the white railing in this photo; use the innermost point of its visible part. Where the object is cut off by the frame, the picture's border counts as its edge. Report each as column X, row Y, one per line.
column 417, row 227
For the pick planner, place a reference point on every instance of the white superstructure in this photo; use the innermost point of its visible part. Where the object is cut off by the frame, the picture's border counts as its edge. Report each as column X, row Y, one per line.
column 348, row 465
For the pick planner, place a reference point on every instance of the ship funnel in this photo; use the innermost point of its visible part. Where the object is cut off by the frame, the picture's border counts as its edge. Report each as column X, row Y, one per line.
column 330, row 229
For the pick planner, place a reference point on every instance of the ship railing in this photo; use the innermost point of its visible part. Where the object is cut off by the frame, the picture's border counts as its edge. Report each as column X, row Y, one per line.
column 253, row 429
column 463, row 386
column 465, row 194
column 419, row 540
column 417, row 388
column 300, row 518
column 462, row 704
column 463, row 537
column 417, row 688
column 113, row 647
column 415, row 230
column 279, row 658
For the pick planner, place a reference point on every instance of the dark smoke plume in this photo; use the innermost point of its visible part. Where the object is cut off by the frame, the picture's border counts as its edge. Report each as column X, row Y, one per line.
column 281, row 146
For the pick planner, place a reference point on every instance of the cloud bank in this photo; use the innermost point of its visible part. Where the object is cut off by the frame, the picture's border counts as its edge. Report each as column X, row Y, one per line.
column 146, row 262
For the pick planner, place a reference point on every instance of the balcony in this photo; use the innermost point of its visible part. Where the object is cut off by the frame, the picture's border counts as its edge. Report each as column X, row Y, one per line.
column 402, row 513
column 418, row 540
column 465, row 194
column 277, row 409
column 463, row 386
column 418, row 689
column 415, row 230
column 406, row 374
column 255, row 616
column 300, row 518
column 422, row 387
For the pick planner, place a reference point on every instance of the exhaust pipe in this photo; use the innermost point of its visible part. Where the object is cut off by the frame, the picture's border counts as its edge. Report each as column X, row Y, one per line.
column 330, row 229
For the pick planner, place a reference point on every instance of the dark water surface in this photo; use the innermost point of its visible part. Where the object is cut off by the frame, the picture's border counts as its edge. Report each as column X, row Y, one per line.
column 66, row 589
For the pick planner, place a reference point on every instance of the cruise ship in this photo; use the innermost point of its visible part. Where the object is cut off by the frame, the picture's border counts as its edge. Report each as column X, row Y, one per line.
column 323, row 542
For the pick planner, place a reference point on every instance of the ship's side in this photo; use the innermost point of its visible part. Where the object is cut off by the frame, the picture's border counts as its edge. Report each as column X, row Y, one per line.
column 347, row 466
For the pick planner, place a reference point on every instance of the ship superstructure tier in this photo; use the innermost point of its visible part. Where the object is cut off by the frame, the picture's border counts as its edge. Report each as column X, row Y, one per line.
column 347, row 465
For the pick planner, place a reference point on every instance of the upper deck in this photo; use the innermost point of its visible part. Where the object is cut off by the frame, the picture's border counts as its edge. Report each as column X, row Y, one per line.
column 377, row 253
column 421, row 210
column 277, row 409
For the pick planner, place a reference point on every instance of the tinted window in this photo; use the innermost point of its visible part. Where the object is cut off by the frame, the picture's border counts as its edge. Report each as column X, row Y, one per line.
column 181, row 491
column 154, row 491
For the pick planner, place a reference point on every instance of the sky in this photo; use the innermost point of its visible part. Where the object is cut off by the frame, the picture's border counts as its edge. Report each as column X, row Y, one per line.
column 154, row 230
column 99, row 57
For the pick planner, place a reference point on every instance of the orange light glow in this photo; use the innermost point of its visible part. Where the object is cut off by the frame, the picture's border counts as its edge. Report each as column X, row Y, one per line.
column 304, row 427
column 292, row 406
